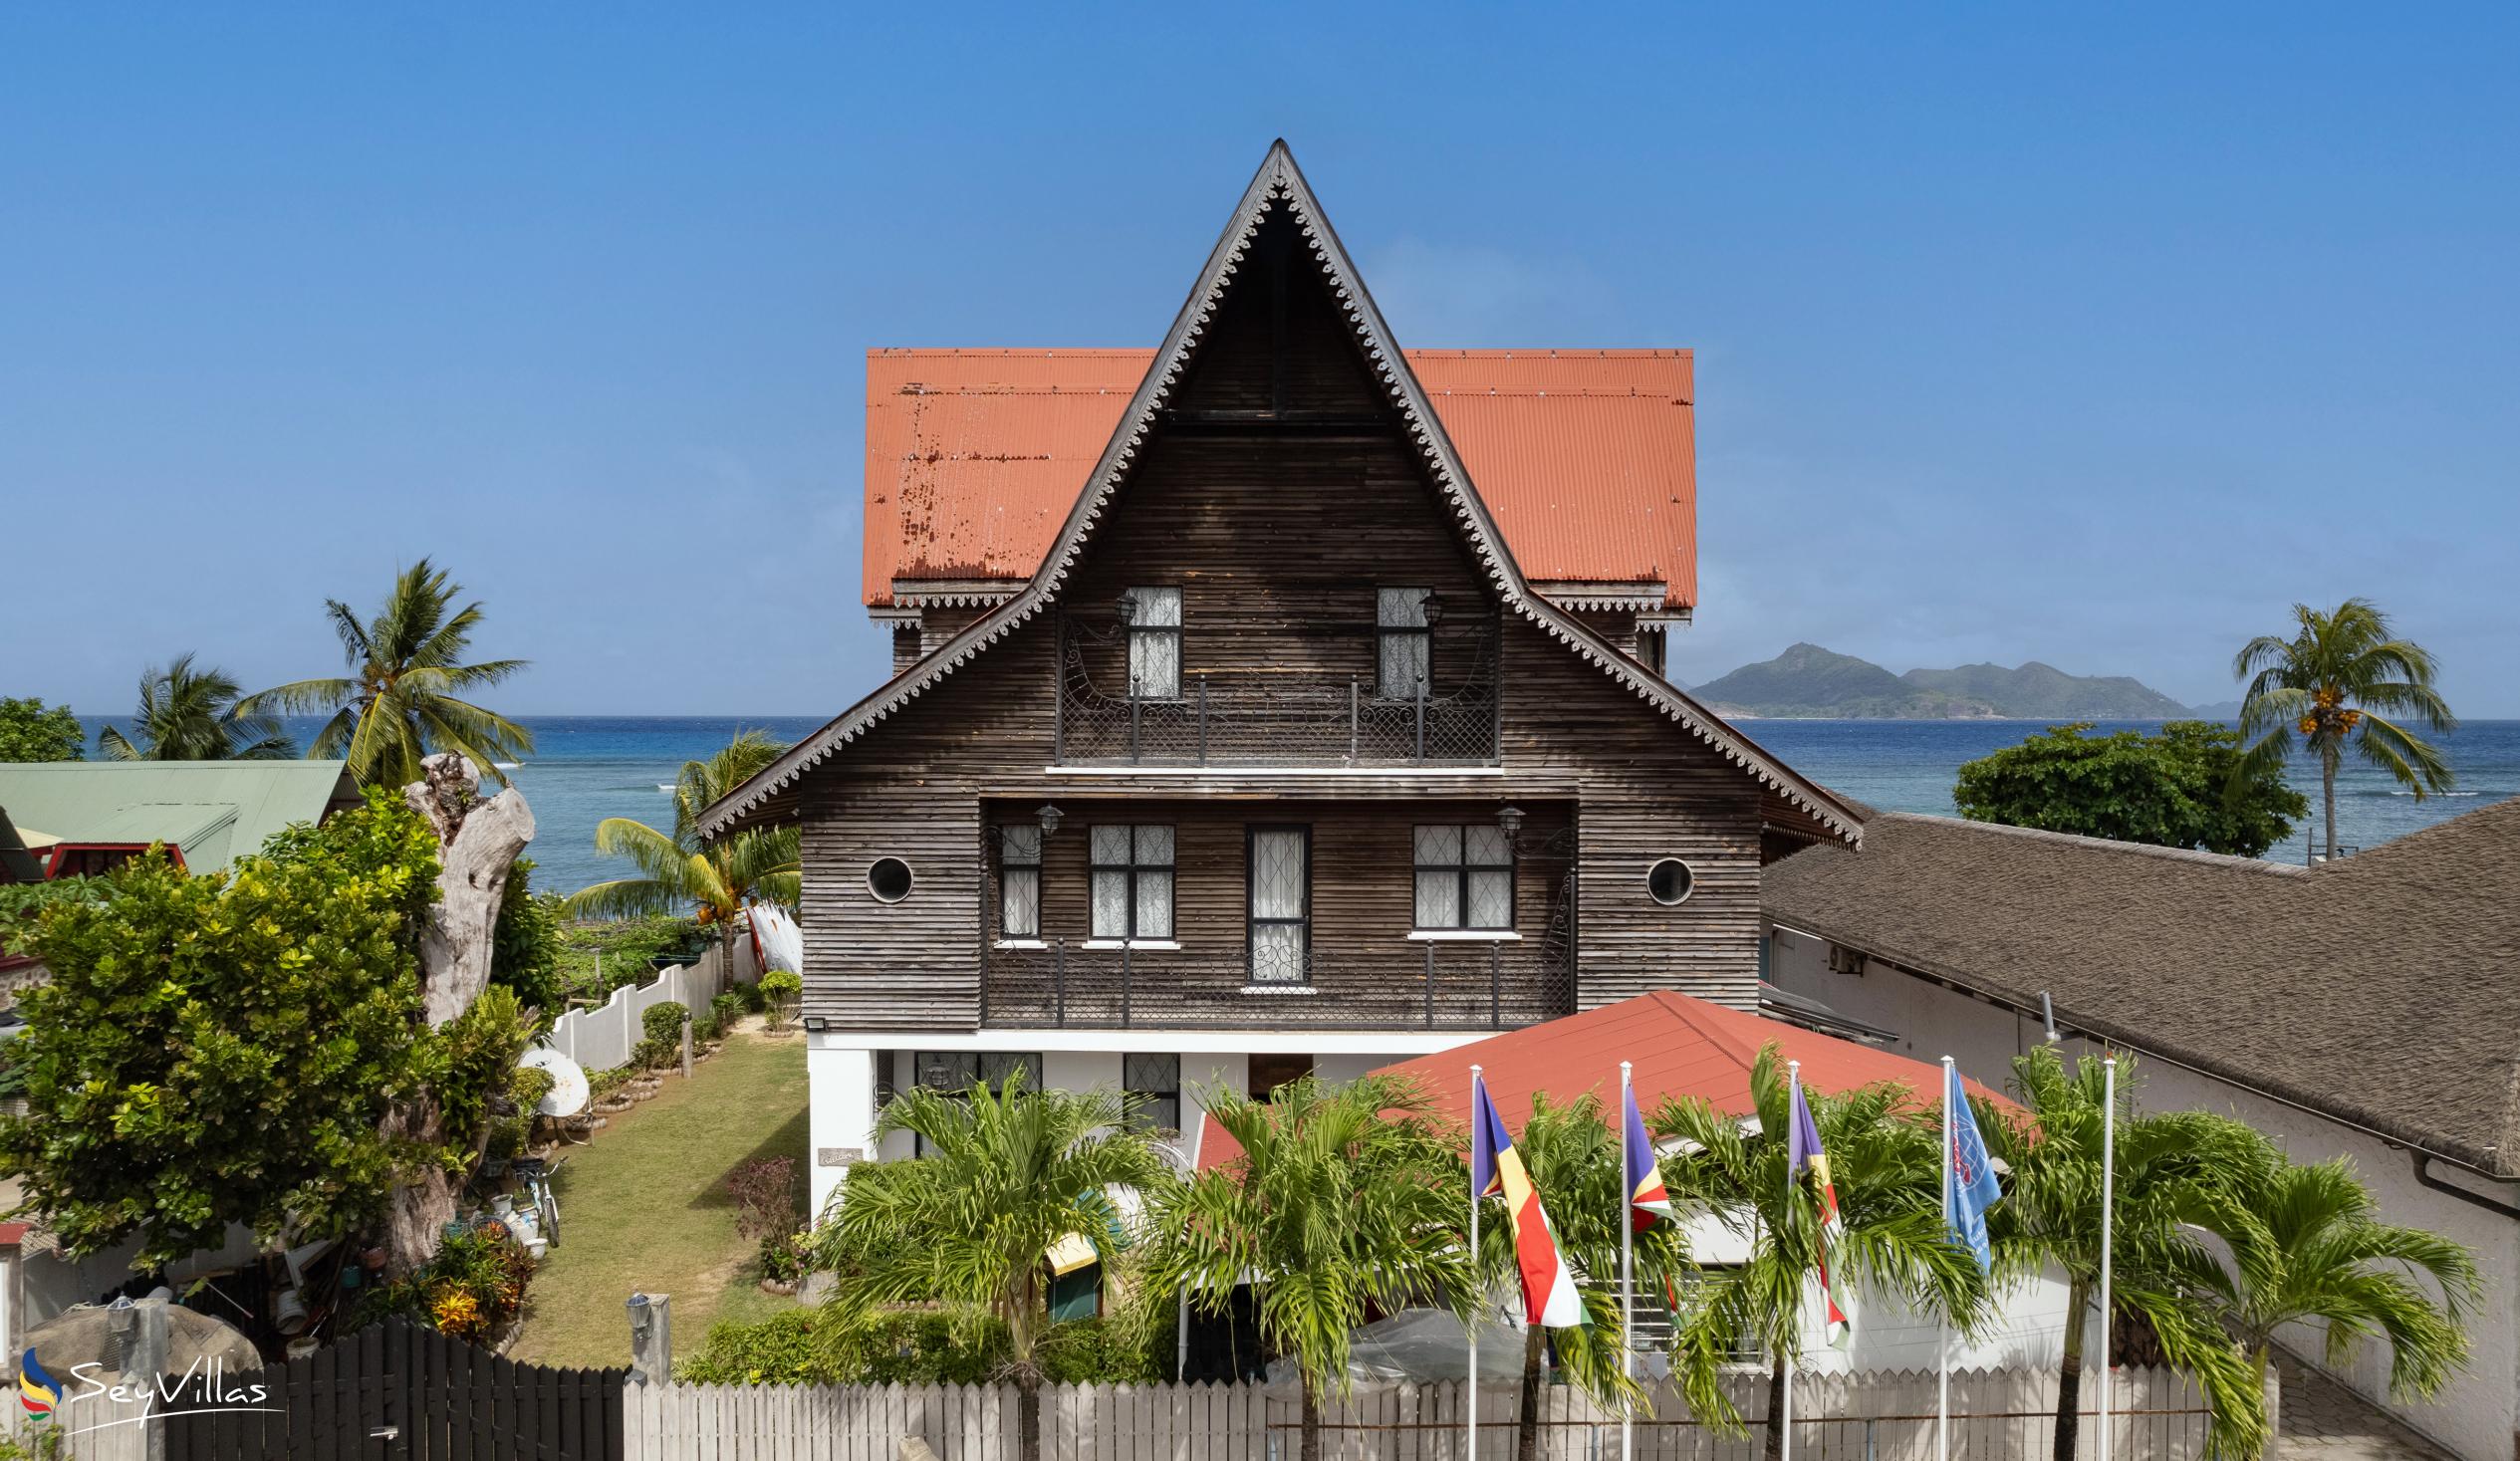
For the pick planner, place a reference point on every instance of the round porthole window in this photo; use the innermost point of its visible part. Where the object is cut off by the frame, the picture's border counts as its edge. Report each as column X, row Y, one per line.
column 888, row 880
column 1671, row 882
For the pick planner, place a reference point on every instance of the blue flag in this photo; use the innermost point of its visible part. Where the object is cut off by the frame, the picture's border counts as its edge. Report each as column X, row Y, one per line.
column 1972, row 1179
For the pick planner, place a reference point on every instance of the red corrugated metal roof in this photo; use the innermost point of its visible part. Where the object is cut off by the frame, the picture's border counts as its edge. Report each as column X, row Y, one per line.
column 1681, row 1047
column 1586, row 458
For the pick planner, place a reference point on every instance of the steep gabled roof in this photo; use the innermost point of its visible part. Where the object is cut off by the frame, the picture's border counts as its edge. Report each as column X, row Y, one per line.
column 1280, row 185
column 2377, row 990
column 1586, row 458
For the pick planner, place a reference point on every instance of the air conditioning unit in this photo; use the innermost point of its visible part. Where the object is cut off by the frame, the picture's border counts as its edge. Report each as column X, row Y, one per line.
column 1843, row 960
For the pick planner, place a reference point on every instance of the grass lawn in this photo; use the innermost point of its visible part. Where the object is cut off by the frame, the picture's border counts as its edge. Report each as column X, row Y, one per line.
column 644, row 1207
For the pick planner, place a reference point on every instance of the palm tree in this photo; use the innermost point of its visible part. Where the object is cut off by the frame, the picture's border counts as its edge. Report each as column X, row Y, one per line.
column 1888, row 1172
column 2330, row 684
column 1346, row 1200
column 2174, row 1182
column 188, row 714
column 1573, row 1158
column 1004, row 1176
column 399, row 701
column 718, row 878
column 2318, row 1254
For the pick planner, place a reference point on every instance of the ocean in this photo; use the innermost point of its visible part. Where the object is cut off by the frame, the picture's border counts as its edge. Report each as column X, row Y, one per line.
column 588, row 767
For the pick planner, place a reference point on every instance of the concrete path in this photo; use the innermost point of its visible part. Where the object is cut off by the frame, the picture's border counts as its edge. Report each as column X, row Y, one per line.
column 2323, row 1422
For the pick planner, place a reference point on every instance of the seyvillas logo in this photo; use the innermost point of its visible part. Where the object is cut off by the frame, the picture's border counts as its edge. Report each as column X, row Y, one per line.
column 38, row 1392
column 208, row 1389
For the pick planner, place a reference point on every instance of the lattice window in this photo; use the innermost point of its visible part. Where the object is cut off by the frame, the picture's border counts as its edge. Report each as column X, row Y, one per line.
column 950, row 1072
column 1281, row 918
column 1402, row 642
column 1465, row 877
column 1154, row 1078
column 1019, row 882
column 1132, row 881
column 1154, row 643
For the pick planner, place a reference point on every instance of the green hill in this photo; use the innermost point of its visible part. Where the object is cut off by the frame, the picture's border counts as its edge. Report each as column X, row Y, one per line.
column 1808, row 681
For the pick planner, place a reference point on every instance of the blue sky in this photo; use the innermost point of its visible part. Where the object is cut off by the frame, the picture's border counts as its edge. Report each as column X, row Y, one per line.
column 2095, row 339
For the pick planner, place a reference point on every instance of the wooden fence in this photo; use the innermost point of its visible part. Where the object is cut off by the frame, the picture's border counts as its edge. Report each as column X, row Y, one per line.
column 1868, row 1417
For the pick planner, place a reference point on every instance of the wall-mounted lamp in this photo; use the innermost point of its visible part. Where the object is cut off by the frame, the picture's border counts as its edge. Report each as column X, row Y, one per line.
column 1128, row 608
column 1050, row 818
column 816, row 1023
column 1434, row 607
column 1509, row 819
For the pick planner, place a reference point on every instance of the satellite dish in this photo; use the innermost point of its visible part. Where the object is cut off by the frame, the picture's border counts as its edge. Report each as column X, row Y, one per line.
column 569, row 1087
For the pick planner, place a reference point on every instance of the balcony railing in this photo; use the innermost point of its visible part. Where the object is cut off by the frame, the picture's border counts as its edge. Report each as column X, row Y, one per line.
column 1263, row 718
column 1431, row 985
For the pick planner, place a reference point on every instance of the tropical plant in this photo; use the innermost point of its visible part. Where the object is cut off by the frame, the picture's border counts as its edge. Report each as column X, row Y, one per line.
column 2174, row 788
column 2334, row 684
column 526, row 945
column 190, row 714
column 2173, row 1181
column 2318, row 1253
column 401, row 700
column 29, row 731
column 1005, row 1175
column 780, row 991
column 1342, row 1201
column 1887, row 1169
column 719, row 878
column 1572, row 1157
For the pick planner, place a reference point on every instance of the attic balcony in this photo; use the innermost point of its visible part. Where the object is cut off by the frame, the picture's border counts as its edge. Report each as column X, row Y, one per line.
column 1392, row 708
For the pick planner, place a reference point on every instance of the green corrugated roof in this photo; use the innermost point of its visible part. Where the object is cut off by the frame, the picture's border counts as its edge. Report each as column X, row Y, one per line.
column 212, row 810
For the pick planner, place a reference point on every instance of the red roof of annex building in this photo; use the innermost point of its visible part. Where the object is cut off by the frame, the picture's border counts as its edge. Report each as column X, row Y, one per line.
column 1681, row 1047
column 1586, row 458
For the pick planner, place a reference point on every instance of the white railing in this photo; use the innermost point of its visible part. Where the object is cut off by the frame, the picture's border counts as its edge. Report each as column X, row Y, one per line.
column 1880, row 1417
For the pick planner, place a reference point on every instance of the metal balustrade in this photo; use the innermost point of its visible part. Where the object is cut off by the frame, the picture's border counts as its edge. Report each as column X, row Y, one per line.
column 1411, row 985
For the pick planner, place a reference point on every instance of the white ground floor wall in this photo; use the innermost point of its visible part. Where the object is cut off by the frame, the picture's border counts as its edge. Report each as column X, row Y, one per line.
column 2478, row 1415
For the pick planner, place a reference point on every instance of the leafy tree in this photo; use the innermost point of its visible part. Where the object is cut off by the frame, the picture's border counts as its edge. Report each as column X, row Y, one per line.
column 525, row 947
column 1005, row 1176
column 2318, row 1254
column 721, row 877
column 2331, row 683
column 222, row 1049
column 2174, row 1181
column 1345, row 1200
column 1572, row 1156
column 1887, row 1168
column 188, row 714
column 2176, row 789
column 400, row 702
column 30, row 732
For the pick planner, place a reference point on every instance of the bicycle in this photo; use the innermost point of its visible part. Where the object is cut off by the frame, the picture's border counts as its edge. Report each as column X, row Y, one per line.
column 533, row 1174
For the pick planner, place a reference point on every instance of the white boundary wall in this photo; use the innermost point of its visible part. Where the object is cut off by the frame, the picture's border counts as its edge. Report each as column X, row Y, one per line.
column 600, row 1038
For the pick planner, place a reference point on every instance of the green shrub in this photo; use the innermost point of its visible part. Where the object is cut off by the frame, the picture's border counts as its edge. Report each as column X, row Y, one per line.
column 622, row 950
column 728, row 1008
column 656, row 1054
column 1105, row 1352
column 600, row 1083
column 912, row 1347
column 525, row 947
column 509, row 1132
column 780, row 991
column 749, row 995
column 664, row 1023
column 786, row 1348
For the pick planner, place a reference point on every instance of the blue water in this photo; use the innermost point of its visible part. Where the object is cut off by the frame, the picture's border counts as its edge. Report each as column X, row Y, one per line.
column 1909, row 765
column 588, row 767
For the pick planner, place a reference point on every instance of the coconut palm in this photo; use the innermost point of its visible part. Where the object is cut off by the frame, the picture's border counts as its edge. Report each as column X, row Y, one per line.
column 2319, row 1253
column 1573, row 1158
column 2330, row 685
column 1887, row 1169
column 399, row 703
column 1004, row 1176
column 1343, row 1201
column 2175, row 1181
column 718, row 879
column 190, row 714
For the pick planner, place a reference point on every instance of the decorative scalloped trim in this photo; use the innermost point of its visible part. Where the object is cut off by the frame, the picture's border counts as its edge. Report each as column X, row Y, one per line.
column 1434, row 448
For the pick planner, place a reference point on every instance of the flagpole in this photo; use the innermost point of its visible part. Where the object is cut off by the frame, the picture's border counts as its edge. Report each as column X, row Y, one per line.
column 2107, row 1208
column 1626, row 1267
column 1785, row 1216
column 1478, row 1287
column 1943, row 1381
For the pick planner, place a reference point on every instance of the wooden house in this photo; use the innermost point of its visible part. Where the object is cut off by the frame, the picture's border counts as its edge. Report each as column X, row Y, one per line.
column 1238, row 730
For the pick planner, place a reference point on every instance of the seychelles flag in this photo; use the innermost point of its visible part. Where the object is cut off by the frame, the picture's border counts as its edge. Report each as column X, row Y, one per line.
column 1647, row 1201
column 1496, row 1170
column 38, row 1392
column 1803, row 1153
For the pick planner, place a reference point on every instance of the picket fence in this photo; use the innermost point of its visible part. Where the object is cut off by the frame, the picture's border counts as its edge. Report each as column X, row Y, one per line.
column 1883, row 1417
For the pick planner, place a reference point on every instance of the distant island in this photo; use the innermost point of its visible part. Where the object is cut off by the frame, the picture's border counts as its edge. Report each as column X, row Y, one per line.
column 1810, row 681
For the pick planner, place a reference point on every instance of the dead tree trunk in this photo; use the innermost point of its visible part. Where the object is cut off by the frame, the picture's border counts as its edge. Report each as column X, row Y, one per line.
column 478, row 841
